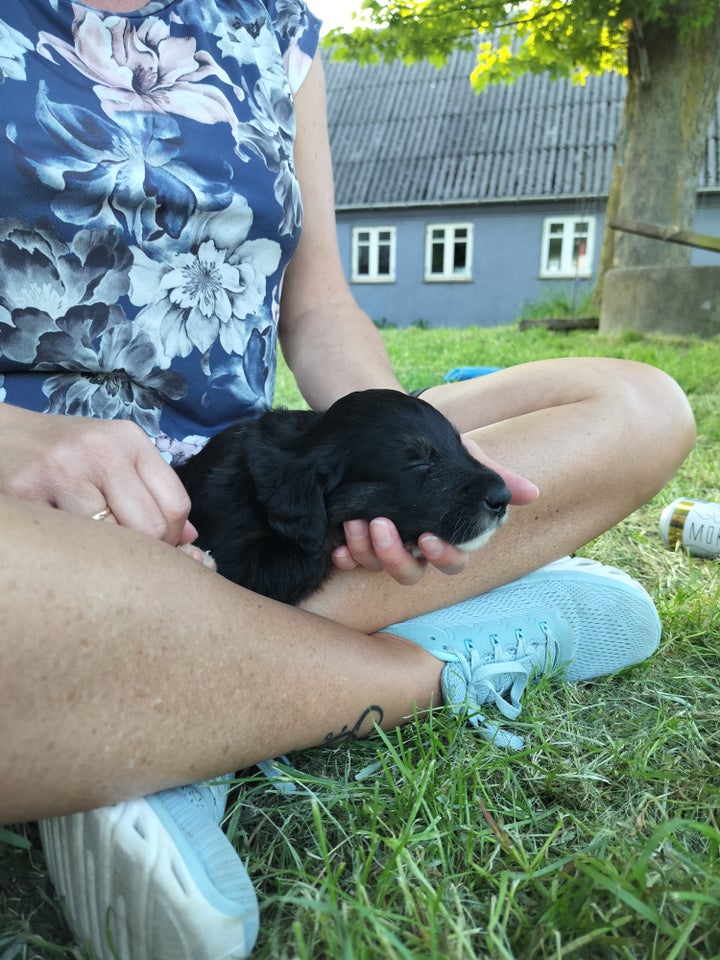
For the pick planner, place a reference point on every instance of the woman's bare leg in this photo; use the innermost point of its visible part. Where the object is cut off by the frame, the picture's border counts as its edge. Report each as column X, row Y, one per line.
column 127, row 667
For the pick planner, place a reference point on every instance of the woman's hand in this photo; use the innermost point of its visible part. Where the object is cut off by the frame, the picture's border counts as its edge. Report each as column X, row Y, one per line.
column 377, row 545
column 86, row 466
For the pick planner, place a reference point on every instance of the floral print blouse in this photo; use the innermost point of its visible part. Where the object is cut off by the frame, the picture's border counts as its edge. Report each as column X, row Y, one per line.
column 148, row 208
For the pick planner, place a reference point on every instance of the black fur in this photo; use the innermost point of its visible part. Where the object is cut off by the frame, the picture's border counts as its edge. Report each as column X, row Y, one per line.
column 269, row 496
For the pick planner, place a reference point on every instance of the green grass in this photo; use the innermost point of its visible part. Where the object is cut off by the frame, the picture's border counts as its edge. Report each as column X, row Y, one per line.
column 599, row 840
column 563, row 302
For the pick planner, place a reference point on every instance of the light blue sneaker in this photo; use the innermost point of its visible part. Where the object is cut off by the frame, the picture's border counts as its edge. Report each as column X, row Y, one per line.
column 154, row 878
column 575, row 618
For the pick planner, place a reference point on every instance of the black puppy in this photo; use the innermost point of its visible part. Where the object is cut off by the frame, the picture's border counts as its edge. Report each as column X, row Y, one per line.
column 269, row 496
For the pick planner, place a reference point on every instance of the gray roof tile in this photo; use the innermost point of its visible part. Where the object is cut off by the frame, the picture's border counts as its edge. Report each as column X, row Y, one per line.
column 412, row 134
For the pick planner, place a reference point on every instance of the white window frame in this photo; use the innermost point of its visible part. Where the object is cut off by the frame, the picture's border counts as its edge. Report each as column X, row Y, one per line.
column 373, row 243
column 567, row 265
column 450, row 273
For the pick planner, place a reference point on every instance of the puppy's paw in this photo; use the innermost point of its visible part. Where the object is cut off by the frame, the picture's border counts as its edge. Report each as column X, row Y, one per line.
column 201, row 556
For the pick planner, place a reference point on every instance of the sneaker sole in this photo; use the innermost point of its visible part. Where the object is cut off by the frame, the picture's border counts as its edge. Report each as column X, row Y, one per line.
column 133, row 891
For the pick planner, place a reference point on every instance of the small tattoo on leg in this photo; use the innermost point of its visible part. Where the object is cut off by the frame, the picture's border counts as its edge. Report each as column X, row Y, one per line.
column 375, row 713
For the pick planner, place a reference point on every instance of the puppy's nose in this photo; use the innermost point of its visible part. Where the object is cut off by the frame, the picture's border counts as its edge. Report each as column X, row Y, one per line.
column 497, row 500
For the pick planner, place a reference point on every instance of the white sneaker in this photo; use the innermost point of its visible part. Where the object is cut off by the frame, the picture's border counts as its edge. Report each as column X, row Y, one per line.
column 154, row 878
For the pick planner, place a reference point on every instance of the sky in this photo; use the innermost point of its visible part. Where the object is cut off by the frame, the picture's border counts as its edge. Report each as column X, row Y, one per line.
column 334, row 13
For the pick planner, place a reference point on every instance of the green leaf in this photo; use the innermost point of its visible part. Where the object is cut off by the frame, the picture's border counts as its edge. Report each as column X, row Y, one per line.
column 11, row 839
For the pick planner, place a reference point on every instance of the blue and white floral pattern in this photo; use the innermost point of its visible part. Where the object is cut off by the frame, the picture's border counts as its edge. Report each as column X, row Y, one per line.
column 13, row 48
column 149, row 207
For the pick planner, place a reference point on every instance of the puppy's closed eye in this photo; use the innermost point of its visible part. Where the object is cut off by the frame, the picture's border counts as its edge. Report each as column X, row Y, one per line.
column 420, row 455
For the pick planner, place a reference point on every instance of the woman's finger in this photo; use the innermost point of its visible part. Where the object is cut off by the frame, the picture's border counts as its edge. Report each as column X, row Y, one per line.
column 169, row 495
column 445, row 557
column 389, row 549
column 523, row 491
column 358, row 549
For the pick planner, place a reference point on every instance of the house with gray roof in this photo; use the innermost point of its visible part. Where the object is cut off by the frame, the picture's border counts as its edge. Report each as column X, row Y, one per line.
column 456, row 208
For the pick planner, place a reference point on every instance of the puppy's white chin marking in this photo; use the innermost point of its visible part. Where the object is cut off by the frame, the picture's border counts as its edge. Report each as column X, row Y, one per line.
column 477, row 542
column 470, row 546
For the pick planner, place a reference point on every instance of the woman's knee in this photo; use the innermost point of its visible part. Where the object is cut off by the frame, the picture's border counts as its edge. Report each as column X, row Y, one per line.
column 658, row 401
column 653, row 424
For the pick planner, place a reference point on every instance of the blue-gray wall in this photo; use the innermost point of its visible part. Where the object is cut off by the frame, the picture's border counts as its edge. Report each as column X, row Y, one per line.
column 506, row 261
column 707, row 220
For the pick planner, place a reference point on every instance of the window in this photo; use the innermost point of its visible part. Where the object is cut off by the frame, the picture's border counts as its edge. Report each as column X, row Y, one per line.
column 373, row 255
column 568, row 245
column 448, row 251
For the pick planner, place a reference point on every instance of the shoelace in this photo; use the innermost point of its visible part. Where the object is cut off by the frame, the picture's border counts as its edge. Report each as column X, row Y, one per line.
column 276, row 772
column 474, row 680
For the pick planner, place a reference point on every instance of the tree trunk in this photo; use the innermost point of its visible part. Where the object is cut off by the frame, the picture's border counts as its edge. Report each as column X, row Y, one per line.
column 671, row 95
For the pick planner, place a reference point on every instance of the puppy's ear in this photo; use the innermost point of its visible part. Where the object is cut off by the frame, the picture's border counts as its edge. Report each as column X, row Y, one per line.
column 296, row 508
